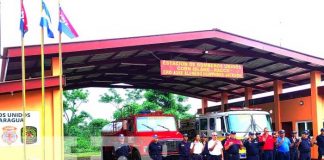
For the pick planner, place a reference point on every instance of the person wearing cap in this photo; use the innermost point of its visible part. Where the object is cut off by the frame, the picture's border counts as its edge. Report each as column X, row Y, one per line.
column 121, row 149
column 205, row 152
column 275, row 149
column 252, row 146
column 268, row 146
column 184, row 148
column 227, row 136
column 293, row 147
column 304, row 147
column 215, row 148
column 233, row 146
column 196, row 148
column 155, row 148
column 320, row 143
column 257, row 136
column 283, row 144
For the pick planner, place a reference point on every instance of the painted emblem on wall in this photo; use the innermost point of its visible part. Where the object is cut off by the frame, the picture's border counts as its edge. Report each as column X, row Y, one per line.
column 9, row 135
column 31, row 135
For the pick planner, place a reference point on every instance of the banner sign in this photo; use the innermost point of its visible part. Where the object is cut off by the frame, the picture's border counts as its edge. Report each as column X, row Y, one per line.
column 199, row 69
column 11, row 128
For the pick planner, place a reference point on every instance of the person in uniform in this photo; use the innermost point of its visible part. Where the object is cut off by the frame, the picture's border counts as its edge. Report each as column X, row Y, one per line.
column 275, row 149
column 257, row 136
column 304, row 147
column 293, row 147
column 184, row 148
column 252, row 146
column 268, row 146
column 283, row 144
column 205, row 152
column 155, row 148
column 121, row 149
column 320, row 143
column 227, row 136
column 196, row 148
column 233, row 146
column 215, row 148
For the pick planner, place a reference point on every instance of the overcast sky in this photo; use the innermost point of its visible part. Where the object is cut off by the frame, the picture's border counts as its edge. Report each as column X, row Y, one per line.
column 293, row 24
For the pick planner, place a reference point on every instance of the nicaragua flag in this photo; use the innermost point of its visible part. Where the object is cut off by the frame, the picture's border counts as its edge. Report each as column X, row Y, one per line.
column 46, row 20
column 23, row 20
column 65, row 26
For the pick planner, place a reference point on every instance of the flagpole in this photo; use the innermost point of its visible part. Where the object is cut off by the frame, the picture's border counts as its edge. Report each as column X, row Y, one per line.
column 61, row 88
column 23, row 75
column 43, row 86
column 61, row 95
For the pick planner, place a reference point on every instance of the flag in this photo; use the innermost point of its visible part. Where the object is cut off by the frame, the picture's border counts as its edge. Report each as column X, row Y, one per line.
column 46, row 20
column 65, row 26
column 23, row 20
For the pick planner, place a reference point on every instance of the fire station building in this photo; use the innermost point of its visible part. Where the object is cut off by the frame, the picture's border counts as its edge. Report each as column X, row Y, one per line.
column 135, row 61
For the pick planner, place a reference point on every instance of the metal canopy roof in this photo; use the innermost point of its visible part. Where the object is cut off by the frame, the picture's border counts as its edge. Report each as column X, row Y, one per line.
column 135, row 61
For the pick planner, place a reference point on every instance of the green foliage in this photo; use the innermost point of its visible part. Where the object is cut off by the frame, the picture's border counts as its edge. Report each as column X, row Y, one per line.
column 96, row 125
column 111, row 97
column 153, row 100
column 76, row 123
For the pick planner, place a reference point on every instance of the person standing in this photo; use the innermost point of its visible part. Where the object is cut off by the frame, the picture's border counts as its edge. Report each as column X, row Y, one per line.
column 293, row 147
column 268, row 145
column 205, row 152
column 215, row 148
column 275, row 149
column 121, row 149
column 252, row 146
column 184, row 148
column 320, row 143
column 227, row 136
column 155, row 149
column 233, row 146
column 283, row 144
column 304, row 146
column 258, row 135
column 196, row 148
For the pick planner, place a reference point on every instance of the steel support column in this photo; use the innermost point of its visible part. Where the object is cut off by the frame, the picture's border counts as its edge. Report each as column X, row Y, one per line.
column 316, row 104
column 224, row 100
column 277, row 86
column 204, row 105
column 248, row 96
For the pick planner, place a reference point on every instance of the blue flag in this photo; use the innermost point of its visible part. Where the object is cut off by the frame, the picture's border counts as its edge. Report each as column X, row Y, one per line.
column 46, row 20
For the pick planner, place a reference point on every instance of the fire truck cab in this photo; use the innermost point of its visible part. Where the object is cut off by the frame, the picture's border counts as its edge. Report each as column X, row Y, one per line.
column 138, row 131
column 240, row 120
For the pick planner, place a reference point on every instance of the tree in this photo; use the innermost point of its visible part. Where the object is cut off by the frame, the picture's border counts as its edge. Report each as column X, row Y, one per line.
column 73, row 119
column 168, row 102
column 125, row 107
column 96, row 125
column 153, row 100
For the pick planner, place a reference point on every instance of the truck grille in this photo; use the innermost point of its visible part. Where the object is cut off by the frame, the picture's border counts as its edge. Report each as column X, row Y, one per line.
column 171, row 145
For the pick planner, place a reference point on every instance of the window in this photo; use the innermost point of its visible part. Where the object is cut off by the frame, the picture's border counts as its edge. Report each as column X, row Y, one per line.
column 211, row 123
column 239, row 122
column 222, row 124
column 155, row 123
column 261, row 121
column 203, row 124
column 302, row 126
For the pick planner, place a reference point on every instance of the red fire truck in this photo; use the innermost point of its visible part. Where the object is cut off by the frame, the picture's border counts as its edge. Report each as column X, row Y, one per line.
column 138, row 131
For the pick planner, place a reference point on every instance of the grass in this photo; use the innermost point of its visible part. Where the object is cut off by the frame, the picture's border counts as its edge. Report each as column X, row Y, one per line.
column 82, row 156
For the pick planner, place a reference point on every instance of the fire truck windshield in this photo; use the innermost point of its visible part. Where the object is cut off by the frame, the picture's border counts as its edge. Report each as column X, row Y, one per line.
column 245, row 122
column 155, row 123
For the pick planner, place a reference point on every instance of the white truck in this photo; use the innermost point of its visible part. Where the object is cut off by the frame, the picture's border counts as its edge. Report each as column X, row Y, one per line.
column 240, row 120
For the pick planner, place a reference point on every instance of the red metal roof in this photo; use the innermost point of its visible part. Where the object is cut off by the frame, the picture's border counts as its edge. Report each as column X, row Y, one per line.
column 135, row 61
